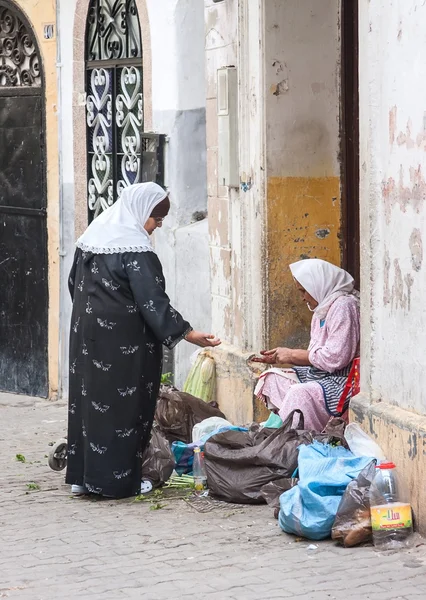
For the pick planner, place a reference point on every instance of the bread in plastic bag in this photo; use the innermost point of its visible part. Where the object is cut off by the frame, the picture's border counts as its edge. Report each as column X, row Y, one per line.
column 352, row 525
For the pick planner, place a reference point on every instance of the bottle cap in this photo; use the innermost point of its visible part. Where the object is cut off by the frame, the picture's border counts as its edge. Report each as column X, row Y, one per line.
column 386, row 465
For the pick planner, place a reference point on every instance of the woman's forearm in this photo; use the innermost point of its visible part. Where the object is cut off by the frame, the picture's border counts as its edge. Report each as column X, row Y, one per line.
column 299, row 358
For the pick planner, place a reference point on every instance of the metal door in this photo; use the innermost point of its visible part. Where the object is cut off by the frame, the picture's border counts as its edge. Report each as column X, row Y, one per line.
column 23, row 232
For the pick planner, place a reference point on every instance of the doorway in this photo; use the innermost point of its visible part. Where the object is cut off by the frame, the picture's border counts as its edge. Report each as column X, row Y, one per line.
column 23, row 240
column 350, row 140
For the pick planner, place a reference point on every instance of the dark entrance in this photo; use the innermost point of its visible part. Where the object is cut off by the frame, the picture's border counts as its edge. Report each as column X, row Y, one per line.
column 23, row 233
column 350, row 138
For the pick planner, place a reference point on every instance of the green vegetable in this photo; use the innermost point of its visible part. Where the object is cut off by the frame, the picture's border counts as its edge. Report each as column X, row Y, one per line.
column 20, row 458
column 33, row 486
column 166, row 379
column 180, row 481
column 202, row 377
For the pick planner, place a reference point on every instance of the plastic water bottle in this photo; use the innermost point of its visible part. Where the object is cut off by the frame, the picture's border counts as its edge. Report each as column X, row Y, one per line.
column 391, row 516
column 200, row 476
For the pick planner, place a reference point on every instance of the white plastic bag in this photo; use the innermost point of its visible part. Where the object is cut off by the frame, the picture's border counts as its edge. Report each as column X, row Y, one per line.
column 208, row 426
column 361, row 444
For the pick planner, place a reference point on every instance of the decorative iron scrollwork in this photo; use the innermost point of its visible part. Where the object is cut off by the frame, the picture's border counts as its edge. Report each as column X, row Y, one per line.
column 114, row 101
column 19, row 60
column 113, row 31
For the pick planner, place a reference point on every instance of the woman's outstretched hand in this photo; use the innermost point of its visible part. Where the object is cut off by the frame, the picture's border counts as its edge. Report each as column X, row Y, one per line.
column 284, row 356
column 202, row 339
column 276, row 356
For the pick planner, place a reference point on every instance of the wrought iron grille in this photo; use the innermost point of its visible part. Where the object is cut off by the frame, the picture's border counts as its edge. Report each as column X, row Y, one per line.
column 19, row 60
column 114, row 101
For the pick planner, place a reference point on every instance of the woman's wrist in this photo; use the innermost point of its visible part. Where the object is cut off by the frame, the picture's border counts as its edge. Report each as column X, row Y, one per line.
column 187, row 333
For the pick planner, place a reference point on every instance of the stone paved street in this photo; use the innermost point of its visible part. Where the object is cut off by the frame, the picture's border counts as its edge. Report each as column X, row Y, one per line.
column 56, row 547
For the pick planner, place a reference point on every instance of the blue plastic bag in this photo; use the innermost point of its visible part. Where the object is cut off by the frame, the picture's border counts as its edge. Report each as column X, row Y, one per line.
column 309, row 508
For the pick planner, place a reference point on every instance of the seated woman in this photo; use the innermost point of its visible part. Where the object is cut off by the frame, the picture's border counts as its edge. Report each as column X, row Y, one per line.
column 318, row 377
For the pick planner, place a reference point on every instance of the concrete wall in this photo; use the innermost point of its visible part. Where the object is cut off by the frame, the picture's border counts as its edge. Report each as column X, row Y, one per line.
column 220, row 51
column 235, row 215
column 178, row 101
column 393, row 164
column 393, row 161
column 302, row 108
column 288, row 206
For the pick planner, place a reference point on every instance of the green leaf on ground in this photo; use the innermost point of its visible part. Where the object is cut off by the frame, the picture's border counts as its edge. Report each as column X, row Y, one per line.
column 20, row 458
column 33, row 486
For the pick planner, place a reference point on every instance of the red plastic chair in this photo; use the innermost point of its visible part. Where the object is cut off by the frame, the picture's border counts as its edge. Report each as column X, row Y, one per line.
column 352, row 384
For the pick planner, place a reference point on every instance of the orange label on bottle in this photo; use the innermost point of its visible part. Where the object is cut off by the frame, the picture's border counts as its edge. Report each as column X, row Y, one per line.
column 391, row 516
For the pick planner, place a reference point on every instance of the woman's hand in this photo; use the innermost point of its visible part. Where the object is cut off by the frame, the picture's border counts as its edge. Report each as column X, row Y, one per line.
column 202, row 339
column 284, row 356
column 277, row 356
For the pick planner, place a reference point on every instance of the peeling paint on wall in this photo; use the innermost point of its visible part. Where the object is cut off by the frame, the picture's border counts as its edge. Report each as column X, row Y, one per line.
column 400, row 296
column 392, row 124
column 416, row 249
column 322, row 233
column 303, row 222
column 386, row 271
column 413, row 195
column 405, row 138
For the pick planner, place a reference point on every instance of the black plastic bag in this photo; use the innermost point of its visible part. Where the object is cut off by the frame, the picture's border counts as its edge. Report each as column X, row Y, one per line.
column 240, row 463
column 158, row 461
column 352, row 525
column 177, row 413
column 272, row 491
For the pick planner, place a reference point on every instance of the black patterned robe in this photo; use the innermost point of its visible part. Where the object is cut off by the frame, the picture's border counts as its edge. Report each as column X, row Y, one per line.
column 121, row 317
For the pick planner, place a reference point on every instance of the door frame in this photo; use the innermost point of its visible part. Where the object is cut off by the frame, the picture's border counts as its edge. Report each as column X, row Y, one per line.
column 350, row 138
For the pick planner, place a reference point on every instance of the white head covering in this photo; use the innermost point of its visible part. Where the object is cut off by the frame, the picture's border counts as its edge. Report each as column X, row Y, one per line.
column 324, row 282
column 120, row 228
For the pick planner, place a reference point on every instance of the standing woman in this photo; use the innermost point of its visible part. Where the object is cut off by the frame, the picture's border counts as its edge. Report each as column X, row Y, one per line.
column 121, row 317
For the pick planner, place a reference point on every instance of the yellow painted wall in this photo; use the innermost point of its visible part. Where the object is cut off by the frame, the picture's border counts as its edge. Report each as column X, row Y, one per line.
column 38, row 14
column 303, row 222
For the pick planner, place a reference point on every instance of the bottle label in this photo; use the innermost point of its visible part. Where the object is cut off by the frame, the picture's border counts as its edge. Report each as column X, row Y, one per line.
column 391, row 516
column 200, row 484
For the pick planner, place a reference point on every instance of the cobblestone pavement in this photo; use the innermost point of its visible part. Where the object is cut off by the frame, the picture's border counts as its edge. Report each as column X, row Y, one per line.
column 53, row 546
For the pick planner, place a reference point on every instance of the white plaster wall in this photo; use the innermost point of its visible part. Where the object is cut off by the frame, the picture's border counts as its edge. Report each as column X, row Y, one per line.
column 302, row 87
column 393, row 191
column 177, row 30
column 65, row 21
column 192, row 289
column 178, row 101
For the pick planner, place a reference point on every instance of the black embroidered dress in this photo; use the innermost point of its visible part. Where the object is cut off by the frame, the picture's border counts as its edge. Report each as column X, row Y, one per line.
column 121, row 317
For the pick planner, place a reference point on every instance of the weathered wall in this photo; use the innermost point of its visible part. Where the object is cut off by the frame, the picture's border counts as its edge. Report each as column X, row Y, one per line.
column 65, row 13
column 234, row 37
column 393, row 188
column 220, row 51
column 392, row 403
column 39, row 15
column 302, row 104
column 178, row 101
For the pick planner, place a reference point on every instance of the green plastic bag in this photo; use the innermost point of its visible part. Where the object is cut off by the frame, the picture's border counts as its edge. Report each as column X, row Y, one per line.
column 273, row 422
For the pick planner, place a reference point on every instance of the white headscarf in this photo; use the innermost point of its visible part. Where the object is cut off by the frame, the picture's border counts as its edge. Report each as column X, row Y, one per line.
column 120, row 228
column 324, row 282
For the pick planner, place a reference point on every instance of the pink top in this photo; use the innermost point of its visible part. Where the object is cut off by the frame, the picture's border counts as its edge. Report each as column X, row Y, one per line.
column 334, row 345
